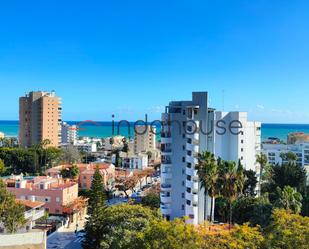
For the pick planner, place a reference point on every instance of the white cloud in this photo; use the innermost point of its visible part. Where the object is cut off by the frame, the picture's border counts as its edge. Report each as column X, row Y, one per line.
column 260, row 107
column 156, row 109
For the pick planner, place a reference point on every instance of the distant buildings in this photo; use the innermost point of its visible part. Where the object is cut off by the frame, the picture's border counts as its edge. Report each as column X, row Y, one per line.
column 144, row 138
column 86, row 172
column 39, row 118
column 86, row 147
column 68, row 133
column 298, row 137
column 274, row 152
column 139, row 161
column 191, row 127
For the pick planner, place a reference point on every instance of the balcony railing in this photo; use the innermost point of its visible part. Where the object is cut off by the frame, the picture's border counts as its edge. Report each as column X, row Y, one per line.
column 166, row 134
column 166, row 185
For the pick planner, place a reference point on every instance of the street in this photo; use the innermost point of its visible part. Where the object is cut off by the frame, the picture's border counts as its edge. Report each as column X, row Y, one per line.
column 64, row 240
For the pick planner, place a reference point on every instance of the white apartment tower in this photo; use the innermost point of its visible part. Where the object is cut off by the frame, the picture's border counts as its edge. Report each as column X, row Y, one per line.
column 190, row 127
column 242, row 143
column 181, row 194
column 68, row 133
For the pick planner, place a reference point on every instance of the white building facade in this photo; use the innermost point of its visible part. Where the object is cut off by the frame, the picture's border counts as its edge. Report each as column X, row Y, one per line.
column 191, row 127
column 274, row 151
column 242, row 143
column 68, row 133
column 137, row 162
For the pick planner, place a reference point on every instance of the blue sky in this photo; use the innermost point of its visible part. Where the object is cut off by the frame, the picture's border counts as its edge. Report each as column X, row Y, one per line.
column 133, row 57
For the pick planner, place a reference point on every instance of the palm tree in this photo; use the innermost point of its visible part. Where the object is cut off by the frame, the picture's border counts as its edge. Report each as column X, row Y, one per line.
column 289, row 199
column 261, row 159
column 208, row 172
column 230, row 183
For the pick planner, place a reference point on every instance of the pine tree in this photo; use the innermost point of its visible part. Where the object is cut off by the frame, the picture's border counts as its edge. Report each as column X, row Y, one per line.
column 97, row 213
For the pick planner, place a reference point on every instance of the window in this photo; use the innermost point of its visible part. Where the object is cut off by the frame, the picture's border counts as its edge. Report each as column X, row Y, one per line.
column 182, row 195
column 183, row 183
column 188, row 202
column 183, row 159
column 57, row 199
column 242, row 149
column 182, row 207
column 242, row 141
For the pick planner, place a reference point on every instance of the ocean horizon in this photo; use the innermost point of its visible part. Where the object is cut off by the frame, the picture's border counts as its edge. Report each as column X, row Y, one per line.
column 102, row 129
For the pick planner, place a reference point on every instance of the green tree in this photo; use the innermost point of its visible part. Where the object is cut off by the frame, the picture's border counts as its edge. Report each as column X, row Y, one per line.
column 125, row 147
column 257, row 211
column 231, row 182
column 287, row 231
column 162, row 234
column 289, row 157
column 96, row 225
column 289, row 174
column 289, row 199
column 2, row 167
column 151, row 200
column 11, row 213
column 262, row 160
column 124, row 223
column 208, row 173
column 250, row 183
column 71, row 155
column 239, row 237
column 71, row 172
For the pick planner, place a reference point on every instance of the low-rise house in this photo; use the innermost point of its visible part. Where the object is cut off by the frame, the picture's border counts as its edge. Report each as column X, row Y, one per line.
column 139, row 161
column 56, row 193
column 34, row 210
column 86, row 172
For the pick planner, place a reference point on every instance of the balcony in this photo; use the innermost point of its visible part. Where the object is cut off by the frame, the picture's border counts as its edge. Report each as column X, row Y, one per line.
column 166, row 162
column 166, row 175
column 192, row 147
column 166, row 211
column 34, row 214
column 191, row 172
column 165, row 198
column 192, row 160
column 166, row 150
column 166, row 186
column 192, row 184
column 192, row 197
column 194, row 136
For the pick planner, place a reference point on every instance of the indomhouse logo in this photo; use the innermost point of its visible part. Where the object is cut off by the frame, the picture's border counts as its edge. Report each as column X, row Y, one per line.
column 160, row 127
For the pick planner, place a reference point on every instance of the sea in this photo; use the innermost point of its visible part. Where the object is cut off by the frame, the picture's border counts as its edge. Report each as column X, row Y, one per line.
column 107, row 129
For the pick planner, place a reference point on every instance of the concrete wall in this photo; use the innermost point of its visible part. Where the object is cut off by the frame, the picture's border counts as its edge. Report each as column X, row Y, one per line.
column 29, row 240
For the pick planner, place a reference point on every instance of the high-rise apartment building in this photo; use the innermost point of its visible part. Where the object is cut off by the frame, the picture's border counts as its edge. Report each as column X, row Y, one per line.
column 238, row 143
column 144, row 138
column 39, row 118
column 68, row 133
column 181, row 140
column 191, row 127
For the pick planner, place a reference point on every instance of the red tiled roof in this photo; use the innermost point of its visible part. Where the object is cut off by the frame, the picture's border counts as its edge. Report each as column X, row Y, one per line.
column 30, row 204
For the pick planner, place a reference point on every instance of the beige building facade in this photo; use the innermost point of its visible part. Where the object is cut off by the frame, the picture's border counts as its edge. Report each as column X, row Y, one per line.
column 39, row 118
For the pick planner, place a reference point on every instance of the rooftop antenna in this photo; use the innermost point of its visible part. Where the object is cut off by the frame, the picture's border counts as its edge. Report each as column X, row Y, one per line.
column 223, row 91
